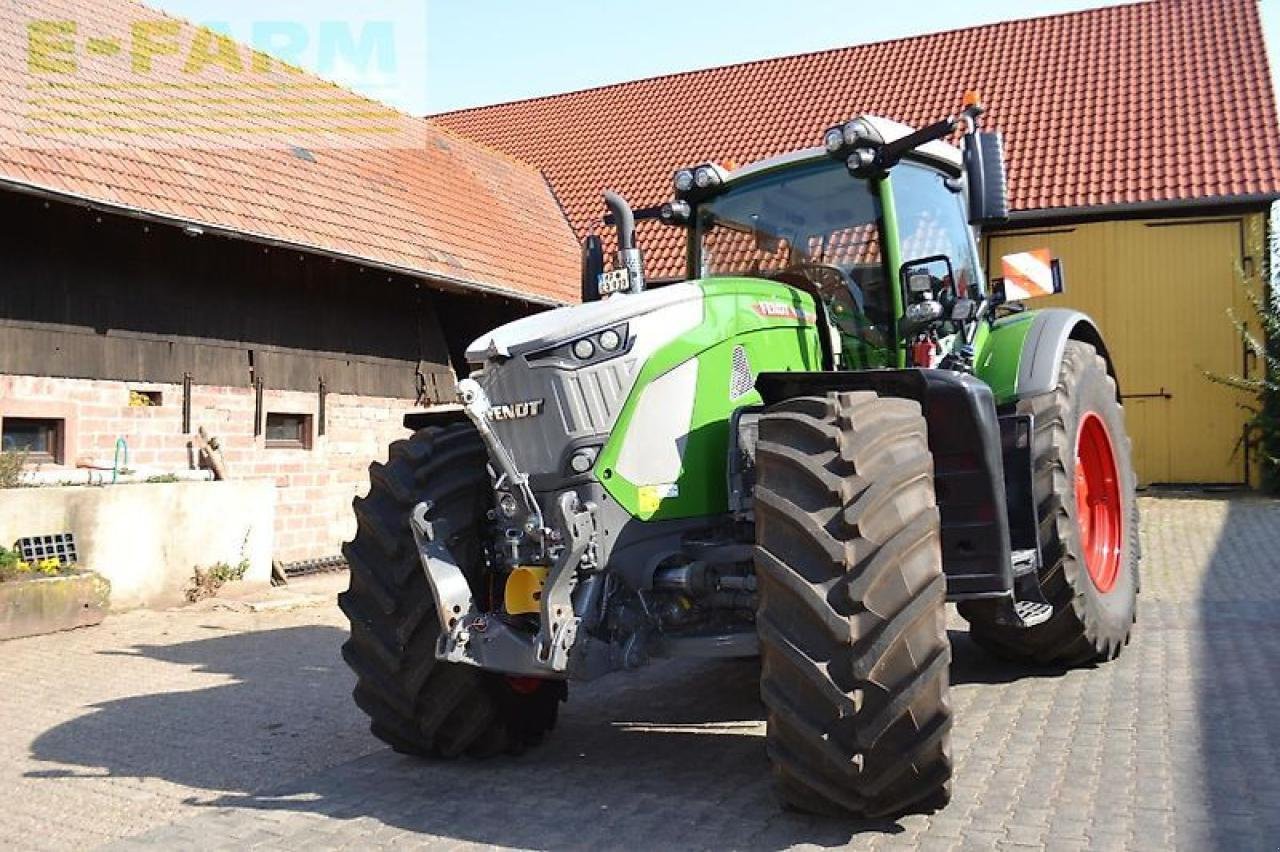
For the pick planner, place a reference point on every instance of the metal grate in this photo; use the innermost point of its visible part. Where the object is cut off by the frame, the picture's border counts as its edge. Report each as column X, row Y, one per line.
column 740, row 380
column 36, row 548
column 307, row 567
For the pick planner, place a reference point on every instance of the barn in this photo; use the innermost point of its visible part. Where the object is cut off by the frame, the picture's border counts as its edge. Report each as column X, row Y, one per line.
column 239, row 248
column 1142, row 145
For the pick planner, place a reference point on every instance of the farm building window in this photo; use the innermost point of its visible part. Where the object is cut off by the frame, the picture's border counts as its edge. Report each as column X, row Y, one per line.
column 39, row 438
column 145, row 398
column 289, row 431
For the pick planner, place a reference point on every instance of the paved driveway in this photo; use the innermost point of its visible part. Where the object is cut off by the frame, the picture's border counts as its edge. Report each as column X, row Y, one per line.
column 224, row 729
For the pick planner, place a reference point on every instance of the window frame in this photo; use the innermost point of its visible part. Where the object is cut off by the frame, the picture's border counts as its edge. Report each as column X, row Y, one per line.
column 306, row 431
column 56, row 430
column 973, row 256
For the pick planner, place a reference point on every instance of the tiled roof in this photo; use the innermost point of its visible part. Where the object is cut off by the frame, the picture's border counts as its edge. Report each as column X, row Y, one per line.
column 276, row 154
column 1161, row 101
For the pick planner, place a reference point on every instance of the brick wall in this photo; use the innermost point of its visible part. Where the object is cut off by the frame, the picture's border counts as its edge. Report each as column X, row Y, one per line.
column 315, row 486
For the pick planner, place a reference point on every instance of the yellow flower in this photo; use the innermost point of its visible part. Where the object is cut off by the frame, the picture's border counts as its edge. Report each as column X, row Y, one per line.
column 49, row 566
column 23, row 567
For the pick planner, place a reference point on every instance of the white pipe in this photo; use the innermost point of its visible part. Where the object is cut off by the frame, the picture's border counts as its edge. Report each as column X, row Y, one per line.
column 87, row 476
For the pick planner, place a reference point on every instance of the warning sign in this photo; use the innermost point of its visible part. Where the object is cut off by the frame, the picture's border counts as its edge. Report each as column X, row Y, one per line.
column 1030, row 274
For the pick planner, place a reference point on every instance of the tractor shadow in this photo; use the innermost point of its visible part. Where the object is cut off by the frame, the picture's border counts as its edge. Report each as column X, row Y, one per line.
column 282, row 699
column 669, row 757
column 672, row 756
column 971, row 665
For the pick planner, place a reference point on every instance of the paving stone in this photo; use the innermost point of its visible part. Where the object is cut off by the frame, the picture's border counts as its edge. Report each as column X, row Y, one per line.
column 235, row 729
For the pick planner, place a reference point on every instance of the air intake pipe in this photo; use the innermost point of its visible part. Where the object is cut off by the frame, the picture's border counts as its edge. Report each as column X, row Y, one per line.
column 629, row 256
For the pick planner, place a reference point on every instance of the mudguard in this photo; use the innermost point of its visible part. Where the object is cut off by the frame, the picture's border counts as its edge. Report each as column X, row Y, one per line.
column 1020, row 356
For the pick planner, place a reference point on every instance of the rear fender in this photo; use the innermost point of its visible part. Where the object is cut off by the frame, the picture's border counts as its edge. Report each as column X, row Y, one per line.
column 1021, row 355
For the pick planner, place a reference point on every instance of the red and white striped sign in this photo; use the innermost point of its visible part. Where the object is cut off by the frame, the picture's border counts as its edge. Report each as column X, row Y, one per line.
column 1028, row 274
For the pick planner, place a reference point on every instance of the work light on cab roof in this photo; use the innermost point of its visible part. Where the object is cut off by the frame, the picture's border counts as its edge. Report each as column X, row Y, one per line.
column 699, row 181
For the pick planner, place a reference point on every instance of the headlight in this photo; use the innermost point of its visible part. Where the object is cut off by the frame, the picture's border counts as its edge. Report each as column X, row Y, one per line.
column 923, row 313
column 582, row 460
column 675, row 213
column 861, row 158
column 683, row 180
column 610, row 340
column 705, row 177
column 833, row 141
column 856, row 130
column 584, row 349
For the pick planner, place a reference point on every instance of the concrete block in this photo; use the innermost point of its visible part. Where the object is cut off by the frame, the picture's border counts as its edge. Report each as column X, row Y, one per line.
column 147, row 539
column 38, row 605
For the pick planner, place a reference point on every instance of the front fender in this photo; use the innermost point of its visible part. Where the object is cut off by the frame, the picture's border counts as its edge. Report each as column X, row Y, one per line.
column 1020, row 356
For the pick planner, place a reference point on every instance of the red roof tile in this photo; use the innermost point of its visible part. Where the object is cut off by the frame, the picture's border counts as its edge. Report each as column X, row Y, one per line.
column 279, row 155
column 1160, row 101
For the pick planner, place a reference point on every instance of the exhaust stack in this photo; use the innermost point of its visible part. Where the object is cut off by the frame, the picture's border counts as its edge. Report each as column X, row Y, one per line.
column 629, row 256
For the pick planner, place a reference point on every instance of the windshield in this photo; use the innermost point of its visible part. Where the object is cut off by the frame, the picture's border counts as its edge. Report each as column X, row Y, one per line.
column 812, row 224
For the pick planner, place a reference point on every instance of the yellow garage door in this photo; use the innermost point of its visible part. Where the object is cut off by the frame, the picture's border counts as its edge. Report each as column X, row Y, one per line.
column 1161, row 290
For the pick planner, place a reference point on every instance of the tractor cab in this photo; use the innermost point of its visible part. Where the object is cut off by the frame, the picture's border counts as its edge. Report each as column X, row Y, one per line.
column 878, row 224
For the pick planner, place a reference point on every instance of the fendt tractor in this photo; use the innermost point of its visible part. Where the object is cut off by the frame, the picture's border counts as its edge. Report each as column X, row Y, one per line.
column 834, row 426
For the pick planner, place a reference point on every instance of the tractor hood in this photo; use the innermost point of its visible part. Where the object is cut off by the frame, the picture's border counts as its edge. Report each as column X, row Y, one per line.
column 551, row 328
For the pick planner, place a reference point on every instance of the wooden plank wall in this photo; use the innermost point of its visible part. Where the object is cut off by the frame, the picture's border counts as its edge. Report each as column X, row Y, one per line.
column 97, row 296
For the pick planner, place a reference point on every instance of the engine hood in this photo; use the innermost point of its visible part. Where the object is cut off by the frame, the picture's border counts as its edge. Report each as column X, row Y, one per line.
column 550, row 328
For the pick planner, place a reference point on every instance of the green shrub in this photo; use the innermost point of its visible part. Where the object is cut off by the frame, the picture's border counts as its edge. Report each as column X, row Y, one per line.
column 1262, row 433
column 13, row 568
column 11, row 465
column 205, row 582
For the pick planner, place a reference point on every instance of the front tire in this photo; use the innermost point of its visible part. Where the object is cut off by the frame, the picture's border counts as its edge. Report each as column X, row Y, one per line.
column 852, row 618
column 1085, row 493
column 416, row 703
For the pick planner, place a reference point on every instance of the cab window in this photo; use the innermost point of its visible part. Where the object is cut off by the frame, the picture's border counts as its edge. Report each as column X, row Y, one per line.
column 932, row 221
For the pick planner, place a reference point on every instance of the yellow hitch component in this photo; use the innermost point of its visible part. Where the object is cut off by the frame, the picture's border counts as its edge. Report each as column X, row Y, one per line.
column 523, row 593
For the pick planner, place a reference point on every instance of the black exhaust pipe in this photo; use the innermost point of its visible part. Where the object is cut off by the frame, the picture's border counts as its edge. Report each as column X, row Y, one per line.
column 592, row 267
column 629, row 256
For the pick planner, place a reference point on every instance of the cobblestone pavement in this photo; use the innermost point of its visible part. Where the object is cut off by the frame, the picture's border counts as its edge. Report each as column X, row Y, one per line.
column 233, row 729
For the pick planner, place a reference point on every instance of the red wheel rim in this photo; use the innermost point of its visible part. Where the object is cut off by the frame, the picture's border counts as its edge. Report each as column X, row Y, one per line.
column 1099, row 513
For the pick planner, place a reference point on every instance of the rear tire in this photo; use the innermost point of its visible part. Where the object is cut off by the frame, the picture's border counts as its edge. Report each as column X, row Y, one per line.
column 416, row 703
column 852, row 607
column 1093, row 612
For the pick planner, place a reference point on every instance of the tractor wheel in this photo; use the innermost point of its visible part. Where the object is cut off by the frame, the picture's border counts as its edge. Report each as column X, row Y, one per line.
column 416, row 703
column 852, row 616
column 1088, row 512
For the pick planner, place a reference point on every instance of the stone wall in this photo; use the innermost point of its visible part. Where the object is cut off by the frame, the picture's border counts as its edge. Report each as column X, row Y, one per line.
column 148, row 539
column 313, row 487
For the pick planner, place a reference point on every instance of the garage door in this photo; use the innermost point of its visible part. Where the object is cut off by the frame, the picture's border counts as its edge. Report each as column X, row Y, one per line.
column 1161, row 291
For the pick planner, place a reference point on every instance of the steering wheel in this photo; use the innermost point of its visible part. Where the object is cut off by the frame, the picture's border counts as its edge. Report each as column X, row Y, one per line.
column 829, row 280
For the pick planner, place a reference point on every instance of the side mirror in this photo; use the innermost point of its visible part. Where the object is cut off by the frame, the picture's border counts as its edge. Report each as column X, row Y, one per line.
column 985, row 172
column 592, row 267
column 928, row 285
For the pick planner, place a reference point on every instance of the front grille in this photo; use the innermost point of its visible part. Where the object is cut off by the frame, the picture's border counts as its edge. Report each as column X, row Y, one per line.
column 577, row 404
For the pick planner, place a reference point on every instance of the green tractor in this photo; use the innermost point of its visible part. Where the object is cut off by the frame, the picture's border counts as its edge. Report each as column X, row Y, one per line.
column 836, row 425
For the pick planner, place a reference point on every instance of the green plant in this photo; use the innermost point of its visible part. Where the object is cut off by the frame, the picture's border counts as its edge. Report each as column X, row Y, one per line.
column 11, row 466
column 12, row 567
column 162, row 478
column 205, row 582
column 1262, row 433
